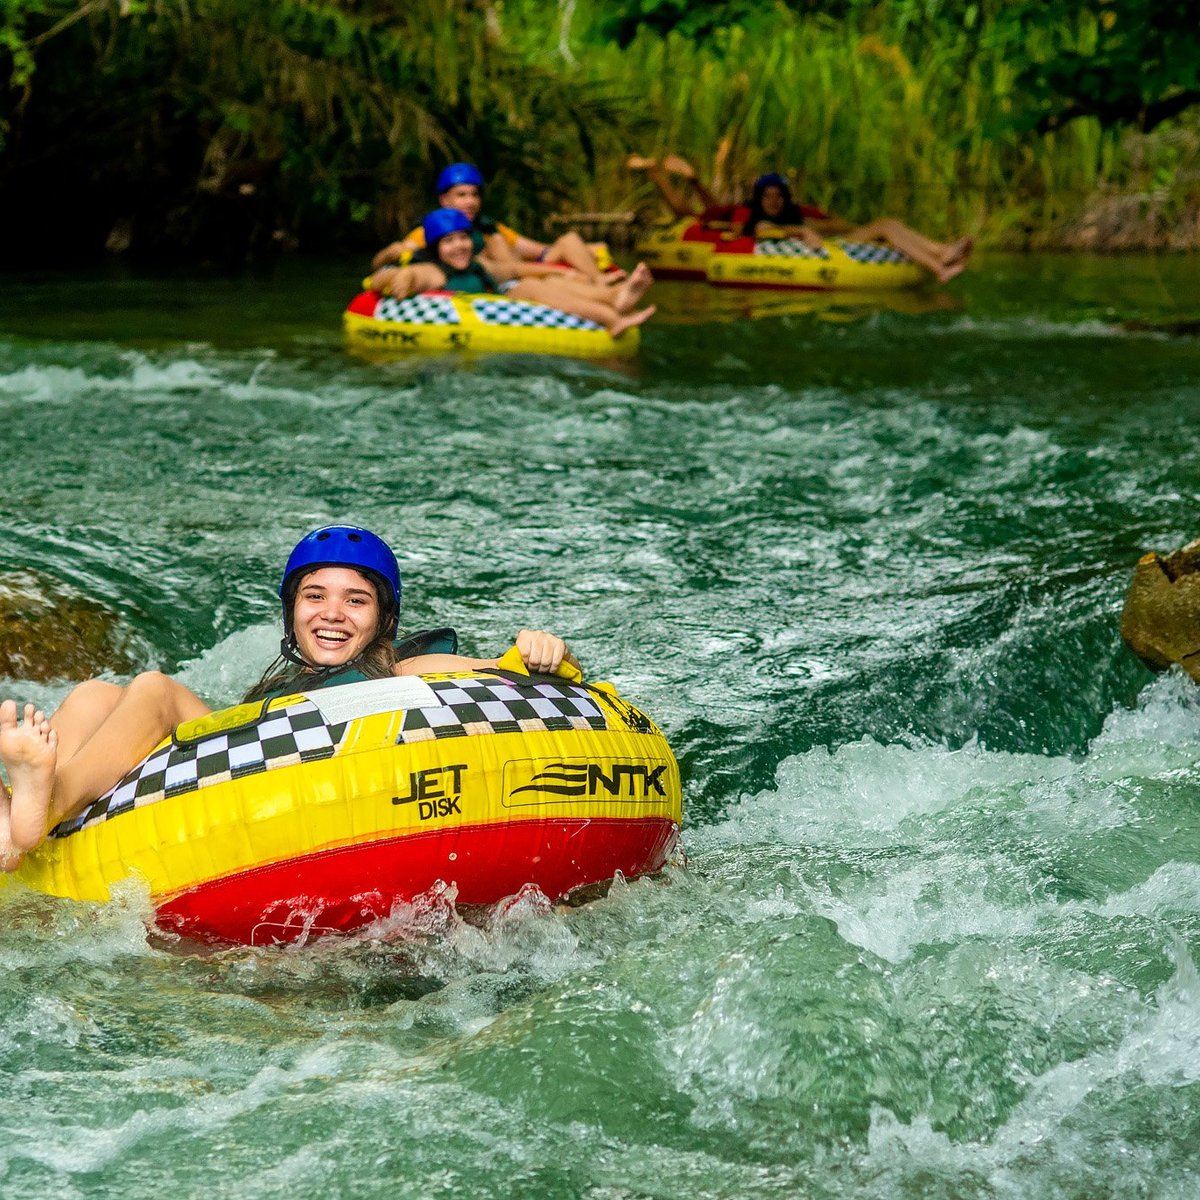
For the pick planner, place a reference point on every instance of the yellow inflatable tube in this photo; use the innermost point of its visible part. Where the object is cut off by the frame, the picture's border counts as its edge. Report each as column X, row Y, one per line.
column 789, row 263
column 436, row 322
column 320, row 811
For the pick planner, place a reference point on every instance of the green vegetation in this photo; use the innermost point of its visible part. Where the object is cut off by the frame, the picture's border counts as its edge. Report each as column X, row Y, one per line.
column 215, row 128
column 207, row 128
column 1137, row 61
column 927, row 109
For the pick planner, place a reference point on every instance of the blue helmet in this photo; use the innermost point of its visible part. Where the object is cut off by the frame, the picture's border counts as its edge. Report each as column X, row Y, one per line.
column 345, row 546
column 443, row 221
column 457, row 173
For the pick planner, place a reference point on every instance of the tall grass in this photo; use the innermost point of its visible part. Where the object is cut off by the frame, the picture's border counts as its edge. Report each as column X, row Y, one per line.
column 206, row 127
column 869, row 117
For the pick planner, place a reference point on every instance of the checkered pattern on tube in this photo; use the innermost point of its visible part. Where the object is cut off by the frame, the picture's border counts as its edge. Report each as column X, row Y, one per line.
column 536, row 316
column 872, row 252
column 496, row 705
column 788, row 248
column 417, row 310
column 281, row 738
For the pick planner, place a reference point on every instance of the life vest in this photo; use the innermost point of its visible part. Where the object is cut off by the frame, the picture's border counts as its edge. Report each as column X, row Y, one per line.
column 426, row 641
column 474, row 278
column 482, row 228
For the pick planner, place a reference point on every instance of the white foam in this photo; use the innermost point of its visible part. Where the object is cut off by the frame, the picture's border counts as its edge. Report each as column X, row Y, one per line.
column 862, row 792
column 1034, row 327
column 223, row 673
column 90, row 1147
column 918, row 821
column 1056, row 1122
column 58, row 384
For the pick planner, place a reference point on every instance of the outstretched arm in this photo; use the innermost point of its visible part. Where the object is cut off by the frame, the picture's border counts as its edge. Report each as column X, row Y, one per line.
column 674, row 200
column 810, row 237
column 683, row 168
column 540, row 651
column 392, row 253
column 407, row 281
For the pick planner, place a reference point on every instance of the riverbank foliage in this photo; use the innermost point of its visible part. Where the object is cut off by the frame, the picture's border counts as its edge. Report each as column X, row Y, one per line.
column 217, row 129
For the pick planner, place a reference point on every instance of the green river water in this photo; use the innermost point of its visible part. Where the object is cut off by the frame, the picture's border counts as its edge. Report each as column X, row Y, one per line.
column 937, row 929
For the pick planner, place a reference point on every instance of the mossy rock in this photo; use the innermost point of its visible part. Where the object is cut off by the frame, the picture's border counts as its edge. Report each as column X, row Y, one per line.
column 1161, row 619
column 49, row 631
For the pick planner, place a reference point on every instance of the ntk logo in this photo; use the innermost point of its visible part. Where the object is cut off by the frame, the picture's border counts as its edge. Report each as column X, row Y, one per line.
column 435, row 791
column 632, row 780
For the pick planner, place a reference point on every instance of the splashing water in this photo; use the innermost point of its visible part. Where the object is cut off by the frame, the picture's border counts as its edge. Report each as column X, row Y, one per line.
column 937, row 930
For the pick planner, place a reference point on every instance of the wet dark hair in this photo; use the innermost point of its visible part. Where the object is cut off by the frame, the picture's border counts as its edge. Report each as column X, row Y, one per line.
column 290, row 672
column 791, row 214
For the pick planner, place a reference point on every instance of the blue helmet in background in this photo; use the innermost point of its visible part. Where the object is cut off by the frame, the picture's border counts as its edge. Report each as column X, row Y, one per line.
column 772, row 179
column 443, row 221
column 344, row 546
column 457, row 173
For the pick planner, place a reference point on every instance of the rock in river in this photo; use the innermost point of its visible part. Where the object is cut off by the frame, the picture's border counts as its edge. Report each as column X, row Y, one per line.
column 1161, row 619
column 49, row 631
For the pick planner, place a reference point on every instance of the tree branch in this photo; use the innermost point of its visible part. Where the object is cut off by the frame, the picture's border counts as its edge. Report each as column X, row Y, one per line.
column 1172, row 106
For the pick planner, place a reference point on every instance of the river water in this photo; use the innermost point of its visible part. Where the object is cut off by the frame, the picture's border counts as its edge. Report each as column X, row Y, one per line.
column 937, row 929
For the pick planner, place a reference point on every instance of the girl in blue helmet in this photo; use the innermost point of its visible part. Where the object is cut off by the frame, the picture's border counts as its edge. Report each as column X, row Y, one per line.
column 449, row 263
column 460, row 186
column 340, row 594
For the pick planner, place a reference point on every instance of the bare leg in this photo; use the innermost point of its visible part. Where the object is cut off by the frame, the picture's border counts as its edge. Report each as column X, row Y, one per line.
column 888, row 229
column 571, row 249
column 553, row 294
column 149, row 709
column 10, row 856
column 84, row 710
column 622, row 298
column 566, row 285
column 143, row 714
column 945, row 261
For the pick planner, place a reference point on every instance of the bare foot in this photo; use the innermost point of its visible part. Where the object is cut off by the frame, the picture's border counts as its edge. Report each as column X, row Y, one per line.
column 637, row 162
column 619, row 326
column 30, row 752
column 945, row 274
column 958, row 252
column 633, row 289
column 680, row 166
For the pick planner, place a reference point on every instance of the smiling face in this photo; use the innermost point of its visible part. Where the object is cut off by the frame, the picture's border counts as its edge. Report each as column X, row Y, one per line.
column 455, row 250
column 335, row 616
column 463, row 196
column 772, row 200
